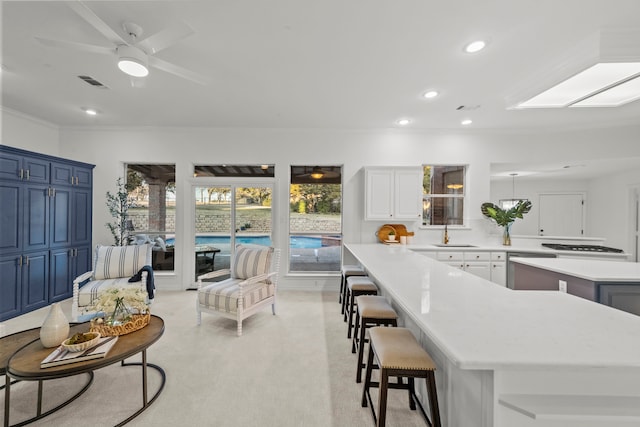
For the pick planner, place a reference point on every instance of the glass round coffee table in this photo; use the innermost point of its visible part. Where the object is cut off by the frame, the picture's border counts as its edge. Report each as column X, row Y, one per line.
column 24, row 364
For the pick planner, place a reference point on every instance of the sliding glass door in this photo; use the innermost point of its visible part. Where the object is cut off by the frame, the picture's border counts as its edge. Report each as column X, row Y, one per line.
column 226, row 214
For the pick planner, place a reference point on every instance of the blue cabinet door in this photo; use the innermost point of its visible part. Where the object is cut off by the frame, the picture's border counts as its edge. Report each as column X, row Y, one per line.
column 34, row 283
column 36, row 217
column 11, row 217
column 36, row 170
column 60, row 279
column 10, row 166
column 61, row 217
column 81, row 210
column 84, row 177
column 82, row 261
column 10, row 276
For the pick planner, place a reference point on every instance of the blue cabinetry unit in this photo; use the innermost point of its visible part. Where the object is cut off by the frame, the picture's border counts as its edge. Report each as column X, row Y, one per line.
column 45, row 228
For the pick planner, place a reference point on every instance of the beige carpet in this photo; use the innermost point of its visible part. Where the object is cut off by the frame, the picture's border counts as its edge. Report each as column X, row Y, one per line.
column 292, row 369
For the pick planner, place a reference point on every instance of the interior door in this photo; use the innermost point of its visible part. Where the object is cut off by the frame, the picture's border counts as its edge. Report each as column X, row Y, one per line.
column 561, row 215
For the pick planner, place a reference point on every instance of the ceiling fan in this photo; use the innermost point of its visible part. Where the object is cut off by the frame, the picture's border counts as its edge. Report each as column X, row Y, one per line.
column 134, row 55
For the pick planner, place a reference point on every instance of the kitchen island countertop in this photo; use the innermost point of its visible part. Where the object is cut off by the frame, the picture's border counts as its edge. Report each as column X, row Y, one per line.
column 592, row 270
column 480, row 325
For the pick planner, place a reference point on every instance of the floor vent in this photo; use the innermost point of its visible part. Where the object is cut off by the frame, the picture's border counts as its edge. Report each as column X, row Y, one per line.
column 92, row 82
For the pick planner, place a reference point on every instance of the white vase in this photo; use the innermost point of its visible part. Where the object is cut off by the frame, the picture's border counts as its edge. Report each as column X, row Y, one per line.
column 55, row 327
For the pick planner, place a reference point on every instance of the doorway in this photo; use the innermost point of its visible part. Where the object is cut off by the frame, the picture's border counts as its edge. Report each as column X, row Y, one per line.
column 226, row 214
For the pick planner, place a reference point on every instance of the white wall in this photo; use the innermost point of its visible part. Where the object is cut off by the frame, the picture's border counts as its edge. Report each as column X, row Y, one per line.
column 111, row 148
column 611, row 210
column 531, row 189
column 21, row 131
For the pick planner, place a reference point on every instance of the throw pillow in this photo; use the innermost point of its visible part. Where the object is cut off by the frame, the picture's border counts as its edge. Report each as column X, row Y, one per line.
column 250, row 261
column 120, row 261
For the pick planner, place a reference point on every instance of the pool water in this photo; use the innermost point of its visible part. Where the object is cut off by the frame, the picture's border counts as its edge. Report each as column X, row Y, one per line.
column 299, row 242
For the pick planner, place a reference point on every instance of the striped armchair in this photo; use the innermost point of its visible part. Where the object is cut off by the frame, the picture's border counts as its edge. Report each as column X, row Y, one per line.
column 113, row 266
column 251, row 286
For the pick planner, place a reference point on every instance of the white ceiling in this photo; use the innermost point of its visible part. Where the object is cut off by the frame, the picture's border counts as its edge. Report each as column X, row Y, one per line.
column 355, row 64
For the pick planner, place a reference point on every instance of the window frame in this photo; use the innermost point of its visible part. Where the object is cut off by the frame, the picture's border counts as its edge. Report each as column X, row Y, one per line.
column 328, row 234
column 462, row 196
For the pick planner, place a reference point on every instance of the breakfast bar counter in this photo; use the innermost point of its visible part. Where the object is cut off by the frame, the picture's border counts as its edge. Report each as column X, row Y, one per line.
column 509, row 358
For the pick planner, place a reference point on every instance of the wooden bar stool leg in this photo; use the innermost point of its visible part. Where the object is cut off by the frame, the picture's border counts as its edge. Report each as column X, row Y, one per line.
column 345, row 299
column 367, row 381
column 363, row 332
column 412, row 392
column 433, row 399
column 356, row 327
column 382, row 397
column 351, row 304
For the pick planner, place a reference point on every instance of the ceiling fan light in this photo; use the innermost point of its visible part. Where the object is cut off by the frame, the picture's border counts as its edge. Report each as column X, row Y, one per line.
column 132, row 61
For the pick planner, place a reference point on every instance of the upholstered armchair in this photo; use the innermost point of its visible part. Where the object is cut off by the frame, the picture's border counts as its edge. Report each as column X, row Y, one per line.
column 251, row 286
column 114, row 267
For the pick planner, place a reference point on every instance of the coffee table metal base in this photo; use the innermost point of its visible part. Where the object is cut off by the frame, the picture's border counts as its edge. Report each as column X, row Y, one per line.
column 39, row 413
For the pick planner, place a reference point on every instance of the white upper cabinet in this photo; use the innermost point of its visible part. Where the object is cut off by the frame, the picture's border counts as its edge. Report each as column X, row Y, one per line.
column 393, row 193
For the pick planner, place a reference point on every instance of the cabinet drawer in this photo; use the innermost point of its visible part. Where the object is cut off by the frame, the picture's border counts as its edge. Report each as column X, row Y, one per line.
column 450, row 256
column 498, row 256
column 477, row 256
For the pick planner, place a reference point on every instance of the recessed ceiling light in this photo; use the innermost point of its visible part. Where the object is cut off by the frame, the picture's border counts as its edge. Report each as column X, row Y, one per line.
column 90, row 111
column 466, row 122
column 403, row 122
column 475, row 46
column 431, row 94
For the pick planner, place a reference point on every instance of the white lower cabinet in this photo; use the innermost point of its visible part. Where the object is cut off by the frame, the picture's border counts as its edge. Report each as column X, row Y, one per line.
column 499, row 268
column 485, row 264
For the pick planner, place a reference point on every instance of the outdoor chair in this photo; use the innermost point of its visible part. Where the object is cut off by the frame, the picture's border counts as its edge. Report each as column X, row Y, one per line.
column 251, row 286
column 114, row 267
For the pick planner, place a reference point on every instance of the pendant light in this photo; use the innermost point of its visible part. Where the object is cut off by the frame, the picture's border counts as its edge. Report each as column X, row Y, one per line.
column 507, row 204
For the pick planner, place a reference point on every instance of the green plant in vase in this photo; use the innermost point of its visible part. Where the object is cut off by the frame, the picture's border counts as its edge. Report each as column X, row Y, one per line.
column 505, row 218
column 118, row 204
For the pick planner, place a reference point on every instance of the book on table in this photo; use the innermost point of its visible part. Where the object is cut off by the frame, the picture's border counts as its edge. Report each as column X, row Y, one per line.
column 60, row 356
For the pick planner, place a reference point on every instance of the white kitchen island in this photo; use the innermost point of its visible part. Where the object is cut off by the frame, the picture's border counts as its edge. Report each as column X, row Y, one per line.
column 507, row 358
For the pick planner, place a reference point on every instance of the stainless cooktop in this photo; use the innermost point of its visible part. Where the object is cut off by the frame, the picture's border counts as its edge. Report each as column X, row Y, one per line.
column 581, row 248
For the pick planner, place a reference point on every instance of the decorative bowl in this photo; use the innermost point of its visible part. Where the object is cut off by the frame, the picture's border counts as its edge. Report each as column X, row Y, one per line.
column 82, row 345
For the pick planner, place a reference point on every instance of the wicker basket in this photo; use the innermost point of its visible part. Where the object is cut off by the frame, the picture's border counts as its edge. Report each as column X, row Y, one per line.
column 137, row 322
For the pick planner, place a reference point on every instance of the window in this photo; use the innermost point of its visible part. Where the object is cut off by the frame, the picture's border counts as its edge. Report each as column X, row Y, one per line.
column 315, row 219
column 443, row 195
column 152, row 189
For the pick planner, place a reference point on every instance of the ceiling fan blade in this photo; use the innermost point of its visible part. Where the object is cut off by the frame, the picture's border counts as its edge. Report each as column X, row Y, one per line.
column 178, row 71
column 76, row 46
column 165, row 38
column 93, row 19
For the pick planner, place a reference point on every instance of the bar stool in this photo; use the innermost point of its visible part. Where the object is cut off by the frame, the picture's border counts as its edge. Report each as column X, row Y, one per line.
column 399, row 355
column 372, row 310
column 356, row 286
column 348, row 270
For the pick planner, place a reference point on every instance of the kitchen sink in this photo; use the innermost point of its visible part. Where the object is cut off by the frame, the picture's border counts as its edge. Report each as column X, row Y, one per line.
column 454, row 245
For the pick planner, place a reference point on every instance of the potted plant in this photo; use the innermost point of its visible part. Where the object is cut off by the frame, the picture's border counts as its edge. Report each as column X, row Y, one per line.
column 392, row 235
column 118, row 204
column 505, row 218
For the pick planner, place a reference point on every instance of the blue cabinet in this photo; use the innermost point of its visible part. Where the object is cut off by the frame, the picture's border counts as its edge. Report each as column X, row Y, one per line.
column 45, row 221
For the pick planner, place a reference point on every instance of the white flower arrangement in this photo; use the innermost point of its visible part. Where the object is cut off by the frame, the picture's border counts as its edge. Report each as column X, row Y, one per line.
column 118, row 304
